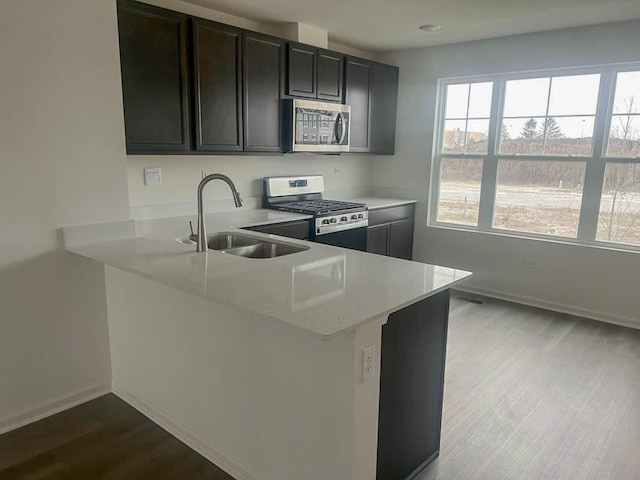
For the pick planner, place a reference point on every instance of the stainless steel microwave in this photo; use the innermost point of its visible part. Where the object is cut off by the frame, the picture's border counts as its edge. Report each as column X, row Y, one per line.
column 319, row 127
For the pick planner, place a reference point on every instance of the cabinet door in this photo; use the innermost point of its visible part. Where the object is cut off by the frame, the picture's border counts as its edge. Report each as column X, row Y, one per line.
column 330, row 75
column 401, row 239
column 358, row 95
column 155, row 87
column 412, row 367
column 301, row 70
column 384, row 105
column 299, row 230
column 263, row 71
column 378, row 239
column 217, row 52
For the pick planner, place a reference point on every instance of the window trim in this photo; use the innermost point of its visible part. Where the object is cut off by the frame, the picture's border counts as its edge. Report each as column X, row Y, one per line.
column 594, row 168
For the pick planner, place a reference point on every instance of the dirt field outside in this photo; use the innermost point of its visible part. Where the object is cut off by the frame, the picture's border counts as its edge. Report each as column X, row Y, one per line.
column 543, row 210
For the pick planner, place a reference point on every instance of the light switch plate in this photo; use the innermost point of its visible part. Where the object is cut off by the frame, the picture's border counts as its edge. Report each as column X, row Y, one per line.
column 152, row 176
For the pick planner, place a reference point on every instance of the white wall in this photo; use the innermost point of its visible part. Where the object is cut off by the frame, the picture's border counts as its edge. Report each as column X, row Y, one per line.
column 595, row 282
column 62, row 162
column 345, row 175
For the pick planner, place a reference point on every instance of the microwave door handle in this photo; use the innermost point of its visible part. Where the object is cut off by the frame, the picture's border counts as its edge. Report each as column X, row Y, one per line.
column 343, row 130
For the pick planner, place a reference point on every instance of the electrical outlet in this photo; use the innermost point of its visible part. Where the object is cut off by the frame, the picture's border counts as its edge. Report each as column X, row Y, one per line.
column 368, row 363
column 531, row 263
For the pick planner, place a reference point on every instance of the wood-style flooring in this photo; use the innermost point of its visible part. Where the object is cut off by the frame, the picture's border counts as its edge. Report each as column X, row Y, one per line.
column 537, row 395
column 104, row 439
column 529, row 395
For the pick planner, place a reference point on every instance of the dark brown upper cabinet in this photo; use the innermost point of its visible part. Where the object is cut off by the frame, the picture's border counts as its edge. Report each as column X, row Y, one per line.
column 217, row 63
column 302, row 64
column 330, row 75
column 195, row 86
column 155, row 86
column 314, row 73
column 384, row 105
column 358, row 80
column 263, row 79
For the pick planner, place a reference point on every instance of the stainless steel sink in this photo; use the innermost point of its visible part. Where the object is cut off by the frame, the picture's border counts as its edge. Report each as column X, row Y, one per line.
column 266, row 250
column 247, row 246
column 225, row 241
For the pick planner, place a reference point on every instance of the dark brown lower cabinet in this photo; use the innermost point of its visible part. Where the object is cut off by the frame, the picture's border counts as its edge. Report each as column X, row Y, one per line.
column 378, row 239
column 390, row 231
column 297, row 229
column 401, row 239
column 411, row 387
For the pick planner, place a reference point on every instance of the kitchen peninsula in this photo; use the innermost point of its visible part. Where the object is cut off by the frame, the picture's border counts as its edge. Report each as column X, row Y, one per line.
column 281, row 368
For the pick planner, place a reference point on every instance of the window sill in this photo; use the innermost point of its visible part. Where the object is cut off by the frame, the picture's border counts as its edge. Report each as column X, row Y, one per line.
column 537, row 237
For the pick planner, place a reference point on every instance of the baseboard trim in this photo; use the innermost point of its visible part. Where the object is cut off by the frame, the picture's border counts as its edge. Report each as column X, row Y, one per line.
column 554, row 307
column 211, row 452
column 51, row 408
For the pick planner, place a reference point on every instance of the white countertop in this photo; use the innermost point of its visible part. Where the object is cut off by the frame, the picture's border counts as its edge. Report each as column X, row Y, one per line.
column 324, row 290
column 376, row 203
column 237, row 218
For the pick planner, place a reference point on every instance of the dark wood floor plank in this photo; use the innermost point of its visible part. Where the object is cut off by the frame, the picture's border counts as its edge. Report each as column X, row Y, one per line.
column 36, row 438
column 105, row 439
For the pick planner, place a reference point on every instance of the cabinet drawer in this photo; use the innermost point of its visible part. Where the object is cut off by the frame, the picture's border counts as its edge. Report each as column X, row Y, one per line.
column 299, row 230
column 387, row 215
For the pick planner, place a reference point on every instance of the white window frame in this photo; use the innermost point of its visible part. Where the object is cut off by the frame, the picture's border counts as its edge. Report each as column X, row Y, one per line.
column 595, row 163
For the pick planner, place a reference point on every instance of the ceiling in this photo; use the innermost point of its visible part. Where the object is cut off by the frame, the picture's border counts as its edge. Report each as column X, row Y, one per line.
column 384, row 25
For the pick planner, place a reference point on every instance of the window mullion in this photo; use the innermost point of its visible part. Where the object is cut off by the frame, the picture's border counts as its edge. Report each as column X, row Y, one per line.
column 545, row 125
column 490, row 165
column 594, row 175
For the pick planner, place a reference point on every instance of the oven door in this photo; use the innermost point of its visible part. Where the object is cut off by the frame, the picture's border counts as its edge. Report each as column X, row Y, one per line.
column 355, row 239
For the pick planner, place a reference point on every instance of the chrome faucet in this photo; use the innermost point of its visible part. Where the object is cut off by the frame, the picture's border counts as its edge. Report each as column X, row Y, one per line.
column 202, row 229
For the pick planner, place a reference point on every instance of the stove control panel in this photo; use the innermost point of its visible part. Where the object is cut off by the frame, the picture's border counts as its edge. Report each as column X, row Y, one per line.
column 339, row 222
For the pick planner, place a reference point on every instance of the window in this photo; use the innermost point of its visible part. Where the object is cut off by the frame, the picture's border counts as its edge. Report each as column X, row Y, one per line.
column 459, row 199
column 550, row 115
column 539, row 197
column 466, row 120
column 624, row 132
column 553, row 154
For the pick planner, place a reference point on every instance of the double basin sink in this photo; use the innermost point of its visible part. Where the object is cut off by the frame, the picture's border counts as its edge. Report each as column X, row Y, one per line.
column 246, row 246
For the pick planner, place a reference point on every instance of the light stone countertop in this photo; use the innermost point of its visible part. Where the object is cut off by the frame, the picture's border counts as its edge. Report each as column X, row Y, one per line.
column 324, row 290
column 237, row 218
column 376, row 203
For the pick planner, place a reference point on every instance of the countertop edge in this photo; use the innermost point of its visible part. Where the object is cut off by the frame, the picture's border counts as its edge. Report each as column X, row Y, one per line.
column 77, row 250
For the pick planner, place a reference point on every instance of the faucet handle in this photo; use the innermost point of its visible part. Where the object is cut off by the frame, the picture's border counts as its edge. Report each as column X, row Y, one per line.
column 193, row 237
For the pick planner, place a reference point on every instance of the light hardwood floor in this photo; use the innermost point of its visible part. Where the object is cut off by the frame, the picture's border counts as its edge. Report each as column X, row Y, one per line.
column 530, row 395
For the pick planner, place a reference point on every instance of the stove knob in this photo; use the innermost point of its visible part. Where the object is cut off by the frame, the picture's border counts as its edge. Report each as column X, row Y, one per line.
column 360, row 215
column 333, row 220
column 325, row 221
column 354, row 217
column 344, row 219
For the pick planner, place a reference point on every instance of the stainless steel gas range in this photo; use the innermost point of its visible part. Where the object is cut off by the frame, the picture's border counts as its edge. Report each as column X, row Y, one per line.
column 335, row 222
